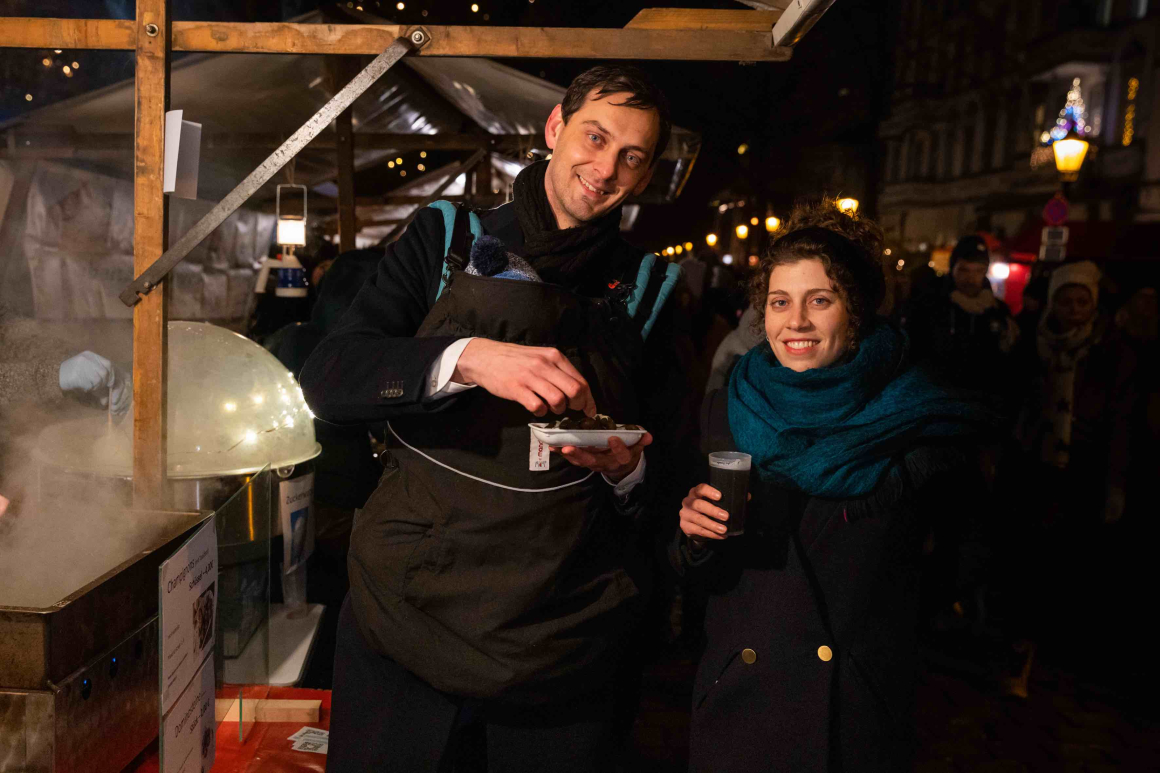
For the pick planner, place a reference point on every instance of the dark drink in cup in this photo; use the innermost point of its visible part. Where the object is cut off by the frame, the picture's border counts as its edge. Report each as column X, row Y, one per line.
column 729, row 474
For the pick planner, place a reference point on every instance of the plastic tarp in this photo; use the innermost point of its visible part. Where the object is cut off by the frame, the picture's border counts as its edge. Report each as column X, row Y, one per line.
column 76, row 242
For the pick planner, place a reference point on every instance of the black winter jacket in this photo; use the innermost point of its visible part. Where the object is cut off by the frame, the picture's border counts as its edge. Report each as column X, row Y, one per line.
column 812, row 655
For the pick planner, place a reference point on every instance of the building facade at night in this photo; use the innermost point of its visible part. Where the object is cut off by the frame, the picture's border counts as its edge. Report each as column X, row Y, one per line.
column 979, row 86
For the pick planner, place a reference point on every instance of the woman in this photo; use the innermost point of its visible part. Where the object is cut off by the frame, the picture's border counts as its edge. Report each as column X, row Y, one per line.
column 811, row 655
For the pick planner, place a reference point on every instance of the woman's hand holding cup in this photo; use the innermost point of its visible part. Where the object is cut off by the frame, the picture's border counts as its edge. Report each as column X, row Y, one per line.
column 701, row 519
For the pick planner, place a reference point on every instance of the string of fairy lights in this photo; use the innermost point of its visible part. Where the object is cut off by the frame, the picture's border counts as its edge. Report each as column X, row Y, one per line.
column 58, row 62
column 772, row 225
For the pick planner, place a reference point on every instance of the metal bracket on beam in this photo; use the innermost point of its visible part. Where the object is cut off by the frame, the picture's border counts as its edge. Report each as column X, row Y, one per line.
column 150, row 277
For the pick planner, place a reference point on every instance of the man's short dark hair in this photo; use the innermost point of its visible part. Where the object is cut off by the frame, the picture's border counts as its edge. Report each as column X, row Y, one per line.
column 643, row 94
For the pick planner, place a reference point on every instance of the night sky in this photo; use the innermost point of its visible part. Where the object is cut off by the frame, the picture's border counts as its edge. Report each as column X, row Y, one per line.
column 834, row 90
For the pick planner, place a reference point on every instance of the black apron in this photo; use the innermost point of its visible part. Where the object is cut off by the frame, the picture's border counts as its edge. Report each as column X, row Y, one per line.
column 483, row 578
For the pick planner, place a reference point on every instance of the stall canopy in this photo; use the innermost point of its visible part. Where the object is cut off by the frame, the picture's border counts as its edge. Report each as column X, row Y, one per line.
column 66, row 224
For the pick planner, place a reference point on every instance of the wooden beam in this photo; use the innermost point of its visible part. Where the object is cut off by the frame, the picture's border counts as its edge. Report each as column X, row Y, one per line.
column 150, row 239
column 340, row 73
column 115, row 34
column 702, row 19
column 24, row 142
column 266, row 710
column 716, row 44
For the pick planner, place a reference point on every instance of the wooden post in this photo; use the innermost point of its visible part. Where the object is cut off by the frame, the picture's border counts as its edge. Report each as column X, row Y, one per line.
column 483, row 181
column 150, row 239
column 342, row 69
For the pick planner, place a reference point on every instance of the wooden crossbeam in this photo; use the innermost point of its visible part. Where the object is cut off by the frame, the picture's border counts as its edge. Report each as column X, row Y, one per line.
column 48, row 142
column 702, row 19
column 732, row 41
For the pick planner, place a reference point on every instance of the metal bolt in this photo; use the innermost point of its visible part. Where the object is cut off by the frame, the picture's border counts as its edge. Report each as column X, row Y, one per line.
column 147, row 286
column 151, row 30
column 418, row 37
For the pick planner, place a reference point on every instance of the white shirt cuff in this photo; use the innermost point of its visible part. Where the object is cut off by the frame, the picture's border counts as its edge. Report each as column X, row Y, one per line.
column 439, row 383
column 630, row 481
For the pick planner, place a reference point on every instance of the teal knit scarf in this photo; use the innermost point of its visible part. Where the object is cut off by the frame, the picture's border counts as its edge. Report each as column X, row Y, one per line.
column 835, row 432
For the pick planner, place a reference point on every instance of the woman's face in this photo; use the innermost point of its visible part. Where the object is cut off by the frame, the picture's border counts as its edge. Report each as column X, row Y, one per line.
column 1072, row 306
column 806, row 321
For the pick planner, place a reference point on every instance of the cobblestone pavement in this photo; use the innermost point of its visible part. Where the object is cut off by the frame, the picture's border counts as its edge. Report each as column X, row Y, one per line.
column 1065, row 726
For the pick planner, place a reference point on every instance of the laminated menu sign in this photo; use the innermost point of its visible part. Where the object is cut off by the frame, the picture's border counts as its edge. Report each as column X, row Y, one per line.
column 295, row 501
column 188, row 739
column 186, row 626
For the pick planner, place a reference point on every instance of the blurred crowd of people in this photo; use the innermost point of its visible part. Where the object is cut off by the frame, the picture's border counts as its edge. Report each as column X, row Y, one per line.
column 1043, row 550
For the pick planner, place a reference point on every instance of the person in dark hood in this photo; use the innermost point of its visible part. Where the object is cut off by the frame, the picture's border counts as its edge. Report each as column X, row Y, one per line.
column 964, row 330
column 493, row 583
column 346, row 471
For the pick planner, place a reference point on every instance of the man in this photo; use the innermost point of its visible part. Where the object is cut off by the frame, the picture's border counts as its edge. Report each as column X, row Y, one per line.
column 485, row 594
column 962, row 328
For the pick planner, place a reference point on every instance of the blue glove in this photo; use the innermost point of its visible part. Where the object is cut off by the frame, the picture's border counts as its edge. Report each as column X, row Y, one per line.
column 91, row 373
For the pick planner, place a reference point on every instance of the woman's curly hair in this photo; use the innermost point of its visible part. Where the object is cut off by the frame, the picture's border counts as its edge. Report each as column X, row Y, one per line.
column 860, row 282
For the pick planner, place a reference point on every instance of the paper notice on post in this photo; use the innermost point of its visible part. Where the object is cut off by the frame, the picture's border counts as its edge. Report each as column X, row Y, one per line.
column 295, row 506
column 182, row 152
column 188, row 612
column 188, row 739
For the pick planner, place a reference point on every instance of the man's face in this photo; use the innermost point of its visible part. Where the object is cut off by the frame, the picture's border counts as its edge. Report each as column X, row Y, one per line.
column 600, row 156
column 969, row 276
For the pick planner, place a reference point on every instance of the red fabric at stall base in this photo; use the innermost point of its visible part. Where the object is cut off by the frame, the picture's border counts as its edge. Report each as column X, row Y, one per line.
column 266, row 747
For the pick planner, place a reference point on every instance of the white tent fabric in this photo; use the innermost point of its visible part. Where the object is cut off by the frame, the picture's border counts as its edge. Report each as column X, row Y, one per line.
column 66, row 236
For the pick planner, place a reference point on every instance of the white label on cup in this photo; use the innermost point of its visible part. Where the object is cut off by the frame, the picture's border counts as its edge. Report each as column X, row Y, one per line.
column 537, row 454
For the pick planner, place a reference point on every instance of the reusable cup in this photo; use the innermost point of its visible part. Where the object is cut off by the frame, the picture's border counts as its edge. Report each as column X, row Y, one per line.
column 729, row 474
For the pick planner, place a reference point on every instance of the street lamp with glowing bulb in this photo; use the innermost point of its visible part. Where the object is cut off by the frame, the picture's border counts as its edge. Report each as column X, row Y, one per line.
column 742, row 231
column 849, row 206
column 1070, row 153
column 772, row 224
column 711, row 239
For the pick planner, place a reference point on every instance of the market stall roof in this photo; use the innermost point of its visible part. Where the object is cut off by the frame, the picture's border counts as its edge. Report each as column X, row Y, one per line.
column 248, row 103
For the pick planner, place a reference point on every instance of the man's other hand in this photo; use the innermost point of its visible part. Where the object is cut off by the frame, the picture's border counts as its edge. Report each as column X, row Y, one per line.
column 614, row 462
column 537, row 377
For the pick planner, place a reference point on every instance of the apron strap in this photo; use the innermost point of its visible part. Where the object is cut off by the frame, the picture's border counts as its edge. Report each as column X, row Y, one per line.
column 461, row 227
column 484, row 480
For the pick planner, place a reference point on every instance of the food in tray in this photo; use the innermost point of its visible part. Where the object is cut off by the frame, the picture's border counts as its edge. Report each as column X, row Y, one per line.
column 599, row 422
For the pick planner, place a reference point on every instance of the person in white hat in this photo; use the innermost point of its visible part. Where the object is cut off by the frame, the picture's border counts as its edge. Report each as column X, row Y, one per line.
column 1074, row 430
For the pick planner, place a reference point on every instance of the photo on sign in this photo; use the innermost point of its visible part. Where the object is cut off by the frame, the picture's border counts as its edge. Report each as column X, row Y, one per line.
column 203, row 616
column 299, row 520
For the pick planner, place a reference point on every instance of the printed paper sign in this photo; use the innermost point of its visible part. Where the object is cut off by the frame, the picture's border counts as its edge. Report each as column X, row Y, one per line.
column 188, row 740
column 182, row 151
column 188, row 611
column 295, row 505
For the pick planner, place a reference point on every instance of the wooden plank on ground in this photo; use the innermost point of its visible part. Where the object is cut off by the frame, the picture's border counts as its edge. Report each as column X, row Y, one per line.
column 266, row 710
column 150, row 239
column 702, row 19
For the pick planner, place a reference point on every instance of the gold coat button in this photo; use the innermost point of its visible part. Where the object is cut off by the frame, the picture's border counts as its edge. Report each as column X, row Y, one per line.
column 825, row 654
column 749, row 656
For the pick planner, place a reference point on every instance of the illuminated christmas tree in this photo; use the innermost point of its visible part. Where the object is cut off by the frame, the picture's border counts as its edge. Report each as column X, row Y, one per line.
column 1073, row 117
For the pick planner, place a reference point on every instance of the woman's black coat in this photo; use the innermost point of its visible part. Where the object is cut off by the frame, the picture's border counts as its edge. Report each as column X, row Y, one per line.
column 811, row 624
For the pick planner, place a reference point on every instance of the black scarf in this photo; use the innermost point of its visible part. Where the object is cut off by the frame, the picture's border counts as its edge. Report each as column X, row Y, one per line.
column 560, row 256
